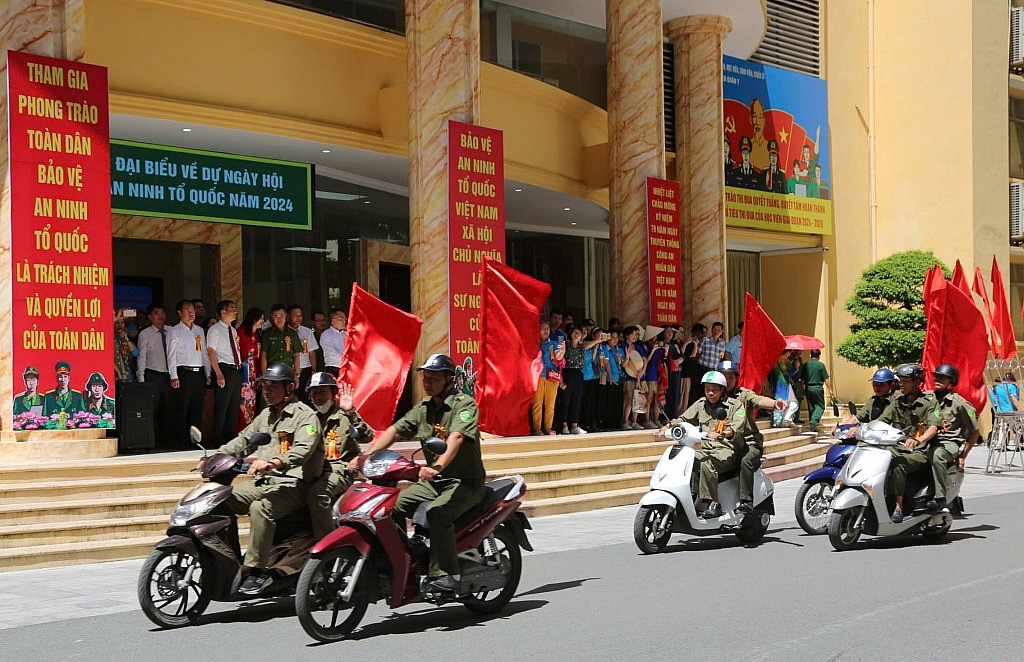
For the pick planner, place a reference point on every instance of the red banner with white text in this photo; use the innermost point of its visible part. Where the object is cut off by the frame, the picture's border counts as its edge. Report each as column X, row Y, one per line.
column 476, row 228
column 664, row 250
column 62, row 318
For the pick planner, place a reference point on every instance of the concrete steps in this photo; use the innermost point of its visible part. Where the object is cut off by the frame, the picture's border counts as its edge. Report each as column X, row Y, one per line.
column 100, row 510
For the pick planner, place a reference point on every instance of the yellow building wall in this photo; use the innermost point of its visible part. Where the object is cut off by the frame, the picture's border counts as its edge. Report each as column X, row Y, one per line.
column 928, row 79
column 259, row 66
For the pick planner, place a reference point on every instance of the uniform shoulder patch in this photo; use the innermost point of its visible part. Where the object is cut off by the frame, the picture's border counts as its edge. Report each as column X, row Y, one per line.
column 465, row 416
column 311, row 429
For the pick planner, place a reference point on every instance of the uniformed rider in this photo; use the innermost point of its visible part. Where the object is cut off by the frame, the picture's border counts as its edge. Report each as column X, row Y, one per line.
column 954, row 424
column 753, row 446
column 295, row 453
column 908, row 412
column 883, row 385
column 342, row 428
column 719, row 453
column 454, row 481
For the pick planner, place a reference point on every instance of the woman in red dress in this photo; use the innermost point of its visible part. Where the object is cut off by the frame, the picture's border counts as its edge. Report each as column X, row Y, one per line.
column 249, row 350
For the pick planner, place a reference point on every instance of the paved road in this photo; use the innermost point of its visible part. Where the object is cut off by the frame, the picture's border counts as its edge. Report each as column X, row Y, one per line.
column 588, row 595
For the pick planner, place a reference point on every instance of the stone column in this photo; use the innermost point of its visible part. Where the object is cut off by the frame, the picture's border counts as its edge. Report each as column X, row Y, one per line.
column 697, row 41
column 55, row 29
column 443, row 68
column 636, row 131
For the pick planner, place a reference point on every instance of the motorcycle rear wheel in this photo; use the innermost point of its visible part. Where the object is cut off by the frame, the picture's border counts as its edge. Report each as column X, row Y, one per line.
column 645, row 528
column 753, row 527
column 812, row 506
column 317, row 601
column 935, row 534
column 841, row 530
column 162, row 600
column 512, row 567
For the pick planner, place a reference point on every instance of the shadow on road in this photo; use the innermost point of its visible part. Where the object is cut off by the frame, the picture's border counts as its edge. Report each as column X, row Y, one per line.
column 908, row 540
column 723, row 541
column 559, row 586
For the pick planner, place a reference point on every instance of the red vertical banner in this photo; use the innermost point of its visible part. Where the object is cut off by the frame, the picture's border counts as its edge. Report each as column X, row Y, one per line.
column 664, row 251
column 62, row 321
column 476, row 228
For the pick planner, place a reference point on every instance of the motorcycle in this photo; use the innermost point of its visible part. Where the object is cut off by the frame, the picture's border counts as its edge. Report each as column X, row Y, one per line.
column 371, row 557
column 201, row 558
column 860, row 505
column 669, row 507
column 815, row 495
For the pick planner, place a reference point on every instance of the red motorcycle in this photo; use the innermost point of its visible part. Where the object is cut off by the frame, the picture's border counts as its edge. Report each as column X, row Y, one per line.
column 370, row 557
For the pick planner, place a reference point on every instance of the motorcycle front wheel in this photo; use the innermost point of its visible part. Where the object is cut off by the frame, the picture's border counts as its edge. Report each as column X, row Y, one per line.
column 166, row 597
column 812, row 504
column 843, row 532
column 646, row 525
column 323, row 614
column 491, row 602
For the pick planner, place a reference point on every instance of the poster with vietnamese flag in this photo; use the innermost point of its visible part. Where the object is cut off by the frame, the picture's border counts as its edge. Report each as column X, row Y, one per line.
column 664, row 252
column 62, row 317
column 476, row 228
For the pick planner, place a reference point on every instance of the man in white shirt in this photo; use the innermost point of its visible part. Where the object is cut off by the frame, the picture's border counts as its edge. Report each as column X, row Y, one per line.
column 307, row 358
column 226, row 366
column 153, row 345
column 333, row 341
column 189, row 367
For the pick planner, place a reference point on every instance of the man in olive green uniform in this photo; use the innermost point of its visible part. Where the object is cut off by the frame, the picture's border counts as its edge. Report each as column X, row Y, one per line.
column 815, row 378
column 338, row 418
column 953, row 422
column 31, row 397
column 882, row 383
column 96, row 400
column 278, row 343
column 721, row 451
column 455, row 480
column 295, row 449
column 63, row 398
column 753, row 446
column 908, row 412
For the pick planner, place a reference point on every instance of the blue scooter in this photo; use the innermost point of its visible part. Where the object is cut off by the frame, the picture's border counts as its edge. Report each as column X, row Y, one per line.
column 815, row 496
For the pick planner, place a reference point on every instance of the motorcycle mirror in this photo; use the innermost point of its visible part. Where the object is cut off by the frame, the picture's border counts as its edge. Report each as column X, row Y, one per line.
column 852, row 407
column 720, row 414
column 435, row 445
column 197, row 437
column 259, row 439
column 353, row 432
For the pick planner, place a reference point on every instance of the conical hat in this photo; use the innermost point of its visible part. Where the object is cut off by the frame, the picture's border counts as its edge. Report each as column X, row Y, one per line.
column 634, row 364
column 650, row 331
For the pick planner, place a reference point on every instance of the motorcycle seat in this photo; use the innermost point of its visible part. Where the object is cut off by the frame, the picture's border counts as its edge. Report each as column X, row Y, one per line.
column 494, row 492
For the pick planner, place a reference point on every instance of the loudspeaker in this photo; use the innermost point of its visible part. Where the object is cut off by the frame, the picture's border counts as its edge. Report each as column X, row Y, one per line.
column 135, row 417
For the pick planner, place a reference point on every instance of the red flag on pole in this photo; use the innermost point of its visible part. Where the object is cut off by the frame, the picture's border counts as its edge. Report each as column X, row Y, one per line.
column 960, row 279
column 960, row 332
column 1001, row 315
column 934, row 312
column 510, row 309
column 980, row 290
column 763, row 343
column 379, row 349
column 933, row 280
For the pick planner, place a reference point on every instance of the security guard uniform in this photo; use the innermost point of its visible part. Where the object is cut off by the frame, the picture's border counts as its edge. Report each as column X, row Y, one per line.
column 720, row 455
column 813, row 374
column 752, row 449
column 339, row 448
column 461, row 484
column 873, row 408
column 295, row 441
column 912, row 418
column 280, row 346
column 956, row 420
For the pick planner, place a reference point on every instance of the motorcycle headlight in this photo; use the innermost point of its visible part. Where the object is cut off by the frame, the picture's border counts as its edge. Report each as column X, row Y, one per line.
column 375, row 468
column 369, row 505
column 183, row 512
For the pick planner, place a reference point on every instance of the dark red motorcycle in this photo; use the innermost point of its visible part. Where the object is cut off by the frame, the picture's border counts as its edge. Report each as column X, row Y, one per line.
column 370, row 557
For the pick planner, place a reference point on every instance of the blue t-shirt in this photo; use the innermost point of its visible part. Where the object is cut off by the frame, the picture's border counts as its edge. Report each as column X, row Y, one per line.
column 1000, row 396
column 590, row 358
column 651, row 375
column 614, row 355
column 547, row 350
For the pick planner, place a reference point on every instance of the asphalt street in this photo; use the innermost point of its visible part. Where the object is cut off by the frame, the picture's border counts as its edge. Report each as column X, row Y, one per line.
column 587, row 594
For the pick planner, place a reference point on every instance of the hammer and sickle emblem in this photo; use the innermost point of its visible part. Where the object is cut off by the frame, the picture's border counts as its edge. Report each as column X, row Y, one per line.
column 730, row 124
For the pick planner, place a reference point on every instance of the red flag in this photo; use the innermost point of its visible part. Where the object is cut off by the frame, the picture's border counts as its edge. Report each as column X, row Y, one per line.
column 1001, row 315
column 509, row 322
column 763, row 343
column 961, row 342
column 934, row 310
column 379, row 349
column 934, row 279
column 960, row 279
column 980, row 290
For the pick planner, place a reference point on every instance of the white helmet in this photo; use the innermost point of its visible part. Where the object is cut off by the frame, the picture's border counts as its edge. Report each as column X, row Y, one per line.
column 714, row 377
column 321, row 379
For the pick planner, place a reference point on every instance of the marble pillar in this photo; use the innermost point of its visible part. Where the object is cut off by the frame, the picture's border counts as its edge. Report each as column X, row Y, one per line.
column 443, row 69
column 636, row 130
column 697, row 41
column 55, row 29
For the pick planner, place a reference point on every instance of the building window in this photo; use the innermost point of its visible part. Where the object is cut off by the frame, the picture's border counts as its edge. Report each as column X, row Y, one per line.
column 793, row 38
column 384, row 14
column 1016, row 138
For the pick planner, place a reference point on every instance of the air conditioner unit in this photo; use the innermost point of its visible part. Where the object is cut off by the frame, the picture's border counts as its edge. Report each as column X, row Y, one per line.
column 1017, row 37
column 1016, row 211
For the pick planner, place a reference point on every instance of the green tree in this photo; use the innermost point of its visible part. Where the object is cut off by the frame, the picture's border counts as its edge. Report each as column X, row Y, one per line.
column 889, row 308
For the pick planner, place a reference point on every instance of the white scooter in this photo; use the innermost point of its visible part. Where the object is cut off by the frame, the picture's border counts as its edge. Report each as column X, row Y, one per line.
column 669, row 507
column 860, row 506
